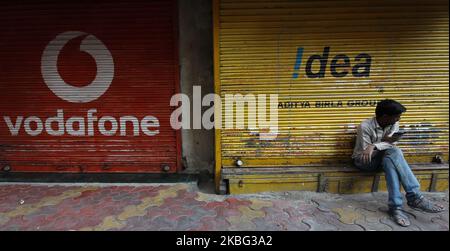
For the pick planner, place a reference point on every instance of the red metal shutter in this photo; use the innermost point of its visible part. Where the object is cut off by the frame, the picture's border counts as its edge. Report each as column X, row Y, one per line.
column 107, row 69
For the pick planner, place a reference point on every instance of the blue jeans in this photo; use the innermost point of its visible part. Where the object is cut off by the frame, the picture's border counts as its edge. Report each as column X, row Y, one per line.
column 397, row 171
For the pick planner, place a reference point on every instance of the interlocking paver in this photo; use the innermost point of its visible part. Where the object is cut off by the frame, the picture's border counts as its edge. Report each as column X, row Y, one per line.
column 441, row 224
column 184, row 207
column 373, row 226
column 426, row 223
column 444, row 216
column 370, row 216
column 395, row 227
column 318, row 224
column 333, row 219
column 348, row 214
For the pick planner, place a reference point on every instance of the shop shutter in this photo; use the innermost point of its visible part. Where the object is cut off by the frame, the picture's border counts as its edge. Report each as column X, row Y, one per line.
column 257, row 48
column 128, row 70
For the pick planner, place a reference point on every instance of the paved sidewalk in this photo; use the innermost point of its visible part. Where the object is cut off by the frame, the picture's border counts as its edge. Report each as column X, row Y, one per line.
column 184, row 207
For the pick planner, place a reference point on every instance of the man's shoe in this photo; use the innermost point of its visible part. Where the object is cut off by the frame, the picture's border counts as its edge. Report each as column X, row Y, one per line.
column 425, row 205
column 399, row 217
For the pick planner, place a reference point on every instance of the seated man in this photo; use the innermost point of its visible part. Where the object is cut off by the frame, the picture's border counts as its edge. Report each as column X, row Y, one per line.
column 375, row 149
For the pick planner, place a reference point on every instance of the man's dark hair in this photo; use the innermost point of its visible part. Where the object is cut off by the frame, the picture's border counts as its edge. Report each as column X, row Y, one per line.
column 389, row 107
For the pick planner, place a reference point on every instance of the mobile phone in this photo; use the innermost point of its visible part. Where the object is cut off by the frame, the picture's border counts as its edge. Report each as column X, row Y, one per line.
column 398, row 134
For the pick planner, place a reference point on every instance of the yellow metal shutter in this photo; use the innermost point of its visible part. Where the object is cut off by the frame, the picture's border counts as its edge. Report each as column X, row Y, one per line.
column 257, row 43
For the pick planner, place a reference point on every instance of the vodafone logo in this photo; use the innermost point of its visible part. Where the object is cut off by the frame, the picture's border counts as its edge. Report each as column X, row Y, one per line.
column 91, row 45
column 82, row 124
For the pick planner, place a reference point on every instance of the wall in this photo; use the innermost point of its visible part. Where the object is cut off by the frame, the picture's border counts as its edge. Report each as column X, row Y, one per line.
column 196, row 68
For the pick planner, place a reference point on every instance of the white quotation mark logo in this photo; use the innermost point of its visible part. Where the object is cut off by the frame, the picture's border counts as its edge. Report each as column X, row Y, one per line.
column 90, row 45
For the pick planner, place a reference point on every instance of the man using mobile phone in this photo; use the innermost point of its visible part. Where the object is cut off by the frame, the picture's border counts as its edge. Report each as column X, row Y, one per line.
column 376, row 149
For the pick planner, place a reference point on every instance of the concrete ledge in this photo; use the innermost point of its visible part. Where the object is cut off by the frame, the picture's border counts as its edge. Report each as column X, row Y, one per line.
column 337, row 179
column 96, row 177
column 316, row 169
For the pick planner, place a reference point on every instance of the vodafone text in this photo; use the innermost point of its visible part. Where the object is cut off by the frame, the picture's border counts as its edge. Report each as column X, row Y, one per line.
column 81, row 126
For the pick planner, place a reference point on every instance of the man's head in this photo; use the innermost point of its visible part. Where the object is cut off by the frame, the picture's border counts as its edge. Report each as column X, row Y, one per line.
column 388, row 112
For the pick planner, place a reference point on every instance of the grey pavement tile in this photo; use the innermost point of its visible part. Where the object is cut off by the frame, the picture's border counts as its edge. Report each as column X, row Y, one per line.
column 290, row 211
column 315, row 224
column 381, row 197
column 365, row 197
column 395, row 227
column 373, row 226
column 297, row 226
column 286, row 225
column 298, row 215
column 372, row 206
column 133, row 223
column 427, row 224
column 370, row 216
column 185, row 223
column 319, row 206
column 162, row 223
column 443, row 225
column 263, row 225
column 215, row 224
column 421, row 216
column 204, row 212
column 334, row 220
column 444, row 216
column 274, row 214
column 243, row 226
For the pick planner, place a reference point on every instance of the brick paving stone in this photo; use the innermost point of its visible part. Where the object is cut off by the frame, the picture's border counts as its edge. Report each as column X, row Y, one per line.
column 442, row 225
column 173, row 202
column 362, row 197
column 425, row 223
column 444, row 216
column 420, row 216
column 295, row 226
column 333, row 219
column 67, row 223
column 319, row 224
column 381, row 197
column 204, row 211
column 29, row 196
column 372, row 206
column 322, row 208
column 227, row 212
column 245, row 225
column 162, row 223
column 281, row 204
column 395, row 227
column 132, row 223
column 296, row 215
column 156, row 212
column 214, row 204
column 373, row 226
column 30, row 222
column 191, row 210
column 370, row 216
column 264, row 225
column 188, row 195
column 147, row 193
column 184, row 223
column 348, row 215
column 235, row 203
column 288, row 225
column 212, row 224
column 274, row 214
column 325, row 205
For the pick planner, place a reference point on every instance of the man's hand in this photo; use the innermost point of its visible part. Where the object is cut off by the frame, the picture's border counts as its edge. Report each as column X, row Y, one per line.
column 367, row 154
column 392, row 139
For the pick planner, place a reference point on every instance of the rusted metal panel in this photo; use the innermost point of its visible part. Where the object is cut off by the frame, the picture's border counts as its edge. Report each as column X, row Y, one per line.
column 370, row 50
column 105, row 71
column 330, row 180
